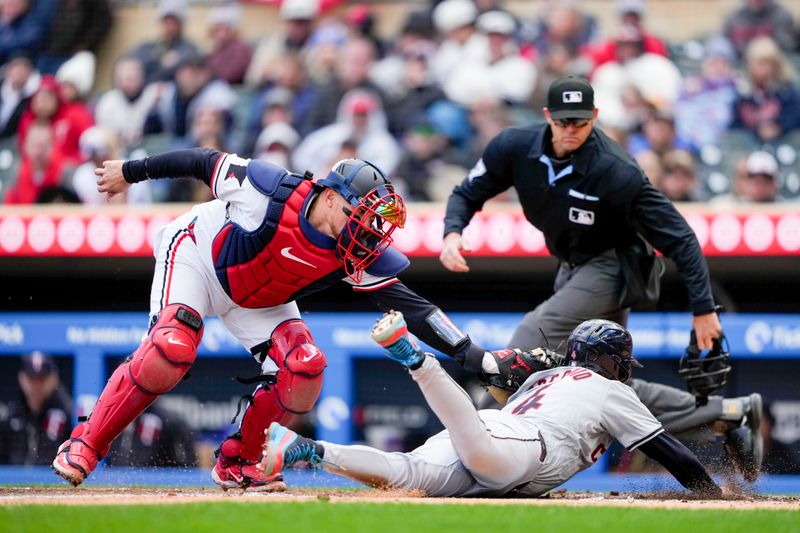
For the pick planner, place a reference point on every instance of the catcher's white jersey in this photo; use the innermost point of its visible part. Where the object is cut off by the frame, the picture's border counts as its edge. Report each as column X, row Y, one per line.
column 578, row 413
column 185, row 266
column 238, row 199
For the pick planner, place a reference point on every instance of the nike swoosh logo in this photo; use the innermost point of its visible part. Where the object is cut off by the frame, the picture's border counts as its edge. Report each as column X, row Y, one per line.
column 287, row 253
column 308, row 358
column 172, row 340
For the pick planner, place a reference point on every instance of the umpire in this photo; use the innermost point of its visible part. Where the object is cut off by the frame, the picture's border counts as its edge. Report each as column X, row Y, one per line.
column 594, row 205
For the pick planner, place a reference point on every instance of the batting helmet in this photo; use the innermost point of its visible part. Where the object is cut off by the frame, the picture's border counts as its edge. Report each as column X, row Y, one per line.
column 602, row 346
column 377, row 210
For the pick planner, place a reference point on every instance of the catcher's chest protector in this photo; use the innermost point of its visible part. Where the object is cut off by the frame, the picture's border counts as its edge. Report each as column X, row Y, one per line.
column 270, row 265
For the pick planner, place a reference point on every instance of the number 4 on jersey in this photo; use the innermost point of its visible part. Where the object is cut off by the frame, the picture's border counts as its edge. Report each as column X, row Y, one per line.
column 532, row 402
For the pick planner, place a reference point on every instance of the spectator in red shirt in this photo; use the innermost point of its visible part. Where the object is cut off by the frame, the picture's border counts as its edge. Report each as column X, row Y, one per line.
column 42, row 167
column 68, row 121
column 631, row 15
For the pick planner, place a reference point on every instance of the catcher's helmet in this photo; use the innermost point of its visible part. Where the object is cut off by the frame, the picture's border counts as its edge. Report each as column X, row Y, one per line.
column 602, row 346
column 354, row 179
column 377, row 211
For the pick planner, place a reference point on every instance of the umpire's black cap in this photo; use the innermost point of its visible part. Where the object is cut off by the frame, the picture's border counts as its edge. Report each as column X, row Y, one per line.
column 570, row 97
column 37, row 364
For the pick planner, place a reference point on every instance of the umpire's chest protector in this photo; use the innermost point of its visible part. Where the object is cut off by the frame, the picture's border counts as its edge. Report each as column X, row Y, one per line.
column 273, row 263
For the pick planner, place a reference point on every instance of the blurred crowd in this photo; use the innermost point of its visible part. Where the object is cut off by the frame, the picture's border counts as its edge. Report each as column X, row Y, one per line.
column 715, row 118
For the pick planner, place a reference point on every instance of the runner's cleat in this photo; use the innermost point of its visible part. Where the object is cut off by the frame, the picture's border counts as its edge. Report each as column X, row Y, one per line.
column 391, row 332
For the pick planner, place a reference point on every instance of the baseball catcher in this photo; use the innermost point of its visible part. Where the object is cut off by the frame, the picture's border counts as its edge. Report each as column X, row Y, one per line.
column 269, row 238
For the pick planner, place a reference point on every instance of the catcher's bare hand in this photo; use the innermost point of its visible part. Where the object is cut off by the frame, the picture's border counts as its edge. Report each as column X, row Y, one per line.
column 451, row 256
column 707, row 328
column 110, row 179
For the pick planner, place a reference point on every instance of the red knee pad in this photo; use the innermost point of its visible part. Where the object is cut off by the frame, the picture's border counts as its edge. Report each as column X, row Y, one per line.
column 299, row 382
column 168, row 351
column 300, row 364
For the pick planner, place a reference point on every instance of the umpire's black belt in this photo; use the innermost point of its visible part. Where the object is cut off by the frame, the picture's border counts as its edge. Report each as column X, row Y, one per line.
column 569, row 265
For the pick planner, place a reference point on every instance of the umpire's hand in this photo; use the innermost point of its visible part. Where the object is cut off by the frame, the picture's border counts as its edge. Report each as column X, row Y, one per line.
column 110, row 179
column 707, row 328
column 451, row 256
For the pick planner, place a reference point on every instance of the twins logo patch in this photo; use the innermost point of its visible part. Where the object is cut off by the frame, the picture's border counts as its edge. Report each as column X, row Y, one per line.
column 572, row 97
column 237, row 172
column 580, row 216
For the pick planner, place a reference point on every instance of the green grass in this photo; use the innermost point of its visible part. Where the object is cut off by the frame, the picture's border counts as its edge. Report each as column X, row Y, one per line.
column 325, row 517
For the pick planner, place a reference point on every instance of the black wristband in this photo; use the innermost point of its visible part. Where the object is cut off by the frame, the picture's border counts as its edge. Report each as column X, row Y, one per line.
column 473, row 359
column 135, row 170
column 704, row 310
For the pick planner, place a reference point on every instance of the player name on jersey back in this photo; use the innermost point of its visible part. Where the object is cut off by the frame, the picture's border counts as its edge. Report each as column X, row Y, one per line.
column 580, row 413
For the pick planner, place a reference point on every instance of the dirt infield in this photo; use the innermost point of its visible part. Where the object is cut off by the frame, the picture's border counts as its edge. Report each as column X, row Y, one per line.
column 139, row 496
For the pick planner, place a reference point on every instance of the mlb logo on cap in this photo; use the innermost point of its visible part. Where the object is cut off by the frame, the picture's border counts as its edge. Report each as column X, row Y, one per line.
column 570, row 97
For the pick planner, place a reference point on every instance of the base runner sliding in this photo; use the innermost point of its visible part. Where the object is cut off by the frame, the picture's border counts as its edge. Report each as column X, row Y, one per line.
column 559, row 422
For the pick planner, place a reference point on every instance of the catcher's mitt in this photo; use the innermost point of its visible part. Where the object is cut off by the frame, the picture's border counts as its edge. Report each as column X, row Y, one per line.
column 515, row 366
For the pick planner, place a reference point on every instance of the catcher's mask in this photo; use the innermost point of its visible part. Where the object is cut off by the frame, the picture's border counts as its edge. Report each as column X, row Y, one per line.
column 377, row 210
column 602, row 346
column 705, row 373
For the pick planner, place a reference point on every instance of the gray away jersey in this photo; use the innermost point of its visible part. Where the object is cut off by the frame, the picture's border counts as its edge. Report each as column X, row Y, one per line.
column 579, row 413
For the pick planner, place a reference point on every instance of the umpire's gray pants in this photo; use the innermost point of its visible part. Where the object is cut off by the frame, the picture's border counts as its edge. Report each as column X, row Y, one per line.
column 592, row 290
column 677, row 410
column 582, row 292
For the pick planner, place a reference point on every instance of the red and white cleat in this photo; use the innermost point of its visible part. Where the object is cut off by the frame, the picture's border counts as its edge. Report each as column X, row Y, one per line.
column 236, row 473
column 75, row 460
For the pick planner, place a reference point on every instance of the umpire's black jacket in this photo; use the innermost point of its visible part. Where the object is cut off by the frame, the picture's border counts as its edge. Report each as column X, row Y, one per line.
column 596, row 203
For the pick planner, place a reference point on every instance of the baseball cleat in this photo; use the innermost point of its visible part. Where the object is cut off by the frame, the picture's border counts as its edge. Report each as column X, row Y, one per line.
column 283, row 447
column 745, row 444
column 75, row 460
column 391, row 332
column 237, row 473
